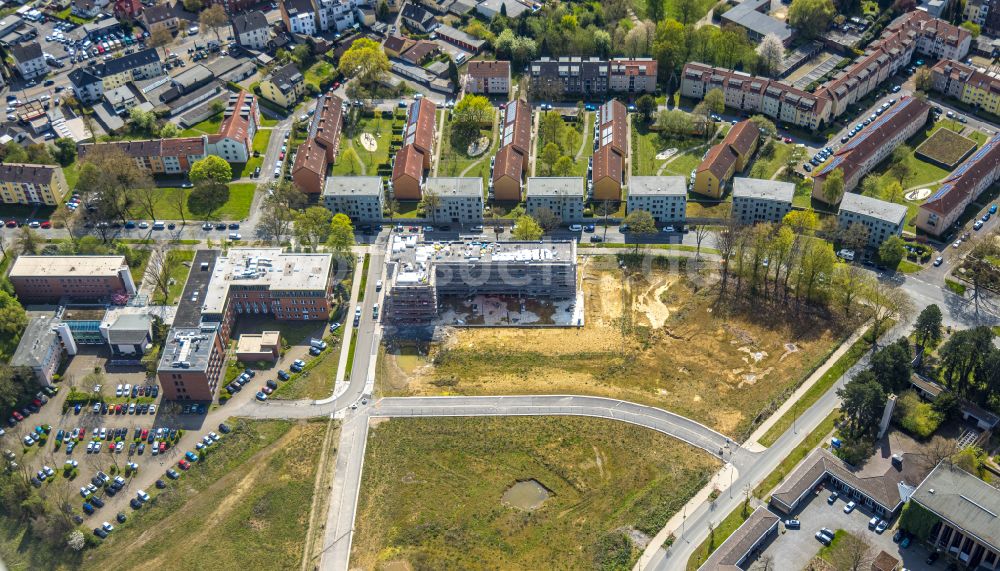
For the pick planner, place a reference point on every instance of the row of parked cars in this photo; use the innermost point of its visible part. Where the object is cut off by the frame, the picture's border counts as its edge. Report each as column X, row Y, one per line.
column 27, row 409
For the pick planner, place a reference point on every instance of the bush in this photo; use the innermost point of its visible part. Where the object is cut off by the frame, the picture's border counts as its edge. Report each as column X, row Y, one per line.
column 916, row 417
column 853, row 451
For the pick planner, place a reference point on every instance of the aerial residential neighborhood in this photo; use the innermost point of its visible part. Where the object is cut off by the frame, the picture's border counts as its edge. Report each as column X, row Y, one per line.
column 500, row 284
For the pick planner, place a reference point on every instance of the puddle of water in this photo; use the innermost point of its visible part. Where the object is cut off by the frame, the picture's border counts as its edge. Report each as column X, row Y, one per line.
column 526, row 495
column 408, row 359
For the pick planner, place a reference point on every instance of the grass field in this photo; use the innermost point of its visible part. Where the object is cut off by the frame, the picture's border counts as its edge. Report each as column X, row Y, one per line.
column 209, row 126
column 684, row 164
column 236, row 208
column 382, row 130
column 431, row 494
column 837, row 370
column 766, row 167
column 455, row 161
column 178, row 276
column 814, row 439
column 317, row 381
column 683, row 355
column 701, row 7
column 722, row 531
column 647, row 144
column 320, row 73
column 246, row 506
column 260, row 141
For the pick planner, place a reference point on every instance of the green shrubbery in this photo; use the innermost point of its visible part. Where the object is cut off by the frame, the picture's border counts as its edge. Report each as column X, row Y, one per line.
column 916, row 416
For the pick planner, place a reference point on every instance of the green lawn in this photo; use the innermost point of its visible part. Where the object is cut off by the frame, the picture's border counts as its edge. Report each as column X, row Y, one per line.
column 766, row 167
column 236, row 208
column 209, row 126
column 260, row 142
column 320, row 73
column 701, row 7
column 722, row 531
column 178, row 276
column 72, row 174
column 317, row 380
column 584, row 141
column 455, row 159
column 432, row 493
column 814, row 439
column 382, row 130
column 684, row 164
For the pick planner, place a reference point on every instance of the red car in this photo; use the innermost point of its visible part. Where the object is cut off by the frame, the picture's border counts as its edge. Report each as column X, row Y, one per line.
column 11, row 224
column 37, row 403
column 118, row 409
column 111, row 446
column 80, row 435
column 163, row 447
column 788, row 139
column 145, row 433
column 46, row 224
column 17, row 416
column 184, row 464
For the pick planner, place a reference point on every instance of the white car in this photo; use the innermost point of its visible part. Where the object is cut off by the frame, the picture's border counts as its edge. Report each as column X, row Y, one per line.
column 152, row 409
column 575, row 228
column 850, row 507
column 118, row 390
column 143, row 496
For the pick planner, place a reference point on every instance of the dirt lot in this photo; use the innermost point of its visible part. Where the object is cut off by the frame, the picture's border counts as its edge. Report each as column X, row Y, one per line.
column 442, row 493
column 670, row 350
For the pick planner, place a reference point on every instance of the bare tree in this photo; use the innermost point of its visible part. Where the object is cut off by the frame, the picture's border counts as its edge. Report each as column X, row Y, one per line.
column 145, row 199
column 158, row 271
column 727, row 239
column 700, row 233
column 547, row 219
column 853, row 553
column 430, row 203
column 179, row 201
column 884, row 301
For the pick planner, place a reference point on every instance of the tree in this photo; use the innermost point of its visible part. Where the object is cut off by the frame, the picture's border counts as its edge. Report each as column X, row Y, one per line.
column 862, row 403
column 853, row 553
column 655, row 10
column 470, row 115
column 602, row 43
column 364, row 60
column 65, row 151
column 901, row 169
column 973, row 27
column 313, row 226
column 341, row 238
column 927, row 329
column 811, row 17
column 884, row 301
column 382, row 11
column 193, row 5
column 640, row 223
column 76, row 541
column 207, row 197
column 765, row 125
column 891, row 366
column 526, row 229
column 158, row 270
column 547, row 219
column 646, row 106
column 350, row 156
column 211, row 169
column 429, row 203
column 281, row 201
column 802, row 221
column 160, row 38
column 771, row 52
column 833, row 186
column 563, row 167
column 550, row 127
column 27, row 242
column 891, row 252
column 961, row 355
column 178, row 199
column 146, row 198
column 549, row 156
column 453, row 72
column 686, row 10
column 815, row 267
column 893, row 192
column 715, row 100
column 923, row 79
column 213, row 18
column 674, row 122
column 13, row 320
column 870, row 186
column 848, row 279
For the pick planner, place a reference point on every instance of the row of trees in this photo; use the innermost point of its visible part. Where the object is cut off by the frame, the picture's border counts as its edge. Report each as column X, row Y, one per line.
column 559, row 142
column 284, row 214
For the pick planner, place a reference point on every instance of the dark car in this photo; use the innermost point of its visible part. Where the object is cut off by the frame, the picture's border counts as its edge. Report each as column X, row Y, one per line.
column 220, row 226
column 172, row 474
column 272, row 384
column 88, row 509
column 224, row 428
column 121, row 517
column 932, row 558
column 283, row 375
column 833, row 498
column 315, row 351
column 97, row 502
column 135, row 503
column 234, row 226
column 100, row 533
column 160, row 484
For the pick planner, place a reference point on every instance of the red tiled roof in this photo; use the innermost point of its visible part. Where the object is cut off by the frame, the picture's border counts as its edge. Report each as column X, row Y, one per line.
column 327, row 123
column 236, row 124
column 489, row 69
column 509, row 162
column 420, row 123
column 311, row 157
column 612, row 126
column 608, row 164
column 724, row 155
column 409, row 161
column 182, row 147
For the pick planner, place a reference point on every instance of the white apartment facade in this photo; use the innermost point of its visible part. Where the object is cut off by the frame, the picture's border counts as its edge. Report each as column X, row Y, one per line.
column 359, row 197
column 459, row 199
column 562, row 195
column 756, row 200
column 664, row 197
column 882, row 219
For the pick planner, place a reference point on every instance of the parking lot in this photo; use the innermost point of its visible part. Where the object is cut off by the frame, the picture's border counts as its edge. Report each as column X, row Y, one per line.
column 795, row 548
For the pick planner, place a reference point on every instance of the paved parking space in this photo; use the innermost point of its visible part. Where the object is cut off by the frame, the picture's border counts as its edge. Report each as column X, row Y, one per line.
column 795, row 548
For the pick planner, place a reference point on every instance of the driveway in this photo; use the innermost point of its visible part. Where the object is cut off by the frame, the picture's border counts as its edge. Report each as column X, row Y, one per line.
column 795, row 548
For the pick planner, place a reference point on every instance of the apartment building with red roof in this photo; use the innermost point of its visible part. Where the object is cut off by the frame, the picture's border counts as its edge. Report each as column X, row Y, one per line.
column 309, row 169
column 512, row 159
column 488, row 77
column 727, row 158
column 961, row 188
column 234, row 141
column 407, row 173
column 872, row 145
column 158, row 156
column 418, row 147
column 611, row 149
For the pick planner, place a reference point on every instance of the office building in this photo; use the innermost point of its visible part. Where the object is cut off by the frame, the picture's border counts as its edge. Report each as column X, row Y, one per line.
column 54, row 279
column 46, row 341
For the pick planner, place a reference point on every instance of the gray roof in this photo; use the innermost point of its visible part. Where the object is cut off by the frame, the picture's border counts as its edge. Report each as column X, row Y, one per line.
column 514, row 8
column 188, row 348
column 129, row 329
column 446, row 31
column 249, row 21
column 26, row 52
column 131, row 61
column 964, row 500
column 447, row 186
column 353, row 186
column 736, row 547
column 192, row 76
column 286, row 76
column 763, row 189
column 35, row 342
column 745, row 14
column 555, row 186
column 873, row 207
column 657, row 186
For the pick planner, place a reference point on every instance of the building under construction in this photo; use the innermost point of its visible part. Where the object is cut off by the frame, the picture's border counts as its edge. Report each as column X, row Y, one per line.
column 421, row 273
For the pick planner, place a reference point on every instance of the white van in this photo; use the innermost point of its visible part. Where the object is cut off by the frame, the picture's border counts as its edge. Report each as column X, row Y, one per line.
column 235, row 236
